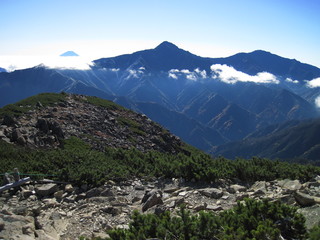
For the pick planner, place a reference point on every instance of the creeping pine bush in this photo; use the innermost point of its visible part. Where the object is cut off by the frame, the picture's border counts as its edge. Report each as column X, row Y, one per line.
column 250, row 219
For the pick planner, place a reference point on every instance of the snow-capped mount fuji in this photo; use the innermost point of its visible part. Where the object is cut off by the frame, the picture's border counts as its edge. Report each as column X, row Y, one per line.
column 69, row 54
column 205, row 101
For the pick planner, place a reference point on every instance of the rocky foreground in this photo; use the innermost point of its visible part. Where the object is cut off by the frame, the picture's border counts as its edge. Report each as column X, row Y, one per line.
column 49, row 210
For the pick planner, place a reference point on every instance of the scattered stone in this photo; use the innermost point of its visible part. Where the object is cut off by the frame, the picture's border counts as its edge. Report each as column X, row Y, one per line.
column 69, row 188
column 59, row 194
column 211, row 192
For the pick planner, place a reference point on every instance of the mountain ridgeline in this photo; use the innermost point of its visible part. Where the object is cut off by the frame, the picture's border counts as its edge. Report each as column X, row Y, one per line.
column 204, row 106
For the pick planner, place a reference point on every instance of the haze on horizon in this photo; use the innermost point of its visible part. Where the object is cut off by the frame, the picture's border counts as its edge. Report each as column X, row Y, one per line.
column 37, row 29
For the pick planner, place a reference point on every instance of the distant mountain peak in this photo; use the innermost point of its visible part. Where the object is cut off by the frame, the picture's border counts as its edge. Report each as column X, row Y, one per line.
column 166, row 45
column 69, row 54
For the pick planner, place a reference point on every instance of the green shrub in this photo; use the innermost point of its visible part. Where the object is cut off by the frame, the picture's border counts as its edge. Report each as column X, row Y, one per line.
column 248, row 220
column 77, row 162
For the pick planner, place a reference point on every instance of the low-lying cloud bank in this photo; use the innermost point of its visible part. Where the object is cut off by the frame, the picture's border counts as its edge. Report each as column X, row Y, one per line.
column 230, row 75
column 314, row 83
column 11, row 63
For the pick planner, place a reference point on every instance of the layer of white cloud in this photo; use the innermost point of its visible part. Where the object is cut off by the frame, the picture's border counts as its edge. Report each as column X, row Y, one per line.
column 317, row 101
column 185, row 73
column 291, row 80
column 230, row 75
column 202, row 74
column 313, row 83
column 172, row 75
column 11, row 63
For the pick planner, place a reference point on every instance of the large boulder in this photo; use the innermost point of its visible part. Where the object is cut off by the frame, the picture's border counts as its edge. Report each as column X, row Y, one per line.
column 46, row 189
column 151, row 199
column 211, row 192
column 304, row 199
column 291, row 185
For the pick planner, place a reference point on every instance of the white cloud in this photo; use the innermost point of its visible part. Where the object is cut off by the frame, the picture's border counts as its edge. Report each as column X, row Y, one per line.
column 313, row 83
column 203, row 73
column 191, row 77
column 317, row 101
column 185, row 71
column 291, row 80
column 174, row 71
column 12, row 63
column 172, row 75
column 230, row 75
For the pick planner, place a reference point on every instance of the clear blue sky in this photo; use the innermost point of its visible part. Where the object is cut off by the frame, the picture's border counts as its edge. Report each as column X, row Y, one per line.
column 210, row 28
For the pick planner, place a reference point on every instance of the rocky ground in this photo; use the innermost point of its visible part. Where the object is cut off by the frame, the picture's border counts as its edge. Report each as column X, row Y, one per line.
column 49, row 210
column 111, row 126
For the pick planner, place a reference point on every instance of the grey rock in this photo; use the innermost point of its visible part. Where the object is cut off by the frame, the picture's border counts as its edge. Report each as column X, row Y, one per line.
column 259, row 186
column 26, row 193
column 312, row 215
column 93, row 192
column 241, row 196
column 21, row 210
column 17, row 227
column 236, row 188
column 69, row 188
column 139, row 187
column 16, row 134
column 58, row 195
column 160, row 209
column 154, row 199
column 304, row 199
column 108, row 193
column 43, row 125
column 112, row 210
column 171, row 189
column 214, row 208
column 211, row 192
column 46, row 189
column 200, row 207
column 291, row 185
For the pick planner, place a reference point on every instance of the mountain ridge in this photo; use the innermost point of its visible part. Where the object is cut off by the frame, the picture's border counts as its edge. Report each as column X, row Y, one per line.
column 175, row 82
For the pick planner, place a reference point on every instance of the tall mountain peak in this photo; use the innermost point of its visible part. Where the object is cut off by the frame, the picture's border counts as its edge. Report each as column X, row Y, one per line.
column 166, row 45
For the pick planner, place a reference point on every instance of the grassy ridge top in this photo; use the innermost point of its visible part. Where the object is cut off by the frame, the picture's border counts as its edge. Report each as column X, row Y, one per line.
column 23, row 106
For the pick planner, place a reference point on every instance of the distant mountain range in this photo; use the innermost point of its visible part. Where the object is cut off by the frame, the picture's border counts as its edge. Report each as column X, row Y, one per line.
column 205, row 101
column 294, row 140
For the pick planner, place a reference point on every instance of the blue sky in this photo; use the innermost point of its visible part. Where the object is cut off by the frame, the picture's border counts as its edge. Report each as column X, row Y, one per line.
column 209, row 28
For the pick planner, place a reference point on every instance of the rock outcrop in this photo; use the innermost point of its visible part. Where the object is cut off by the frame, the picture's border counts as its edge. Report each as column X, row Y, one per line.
column 62, row 211
column 114, row 126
